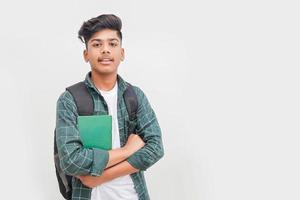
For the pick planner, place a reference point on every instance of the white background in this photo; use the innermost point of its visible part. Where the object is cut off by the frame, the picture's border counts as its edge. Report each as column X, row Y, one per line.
column 222, row 76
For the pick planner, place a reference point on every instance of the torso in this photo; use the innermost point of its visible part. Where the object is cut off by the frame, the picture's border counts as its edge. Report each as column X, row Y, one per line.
column 121, row 188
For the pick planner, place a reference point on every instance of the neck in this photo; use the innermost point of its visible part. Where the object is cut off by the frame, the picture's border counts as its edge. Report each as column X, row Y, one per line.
column 104, row 82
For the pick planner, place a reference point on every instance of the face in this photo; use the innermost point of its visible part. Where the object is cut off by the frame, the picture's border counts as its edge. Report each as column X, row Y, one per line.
column 104, row 52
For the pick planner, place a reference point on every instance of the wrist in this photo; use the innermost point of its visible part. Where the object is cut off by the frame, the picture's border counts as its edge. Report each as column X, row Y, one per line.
column 127, row 151
column 100, row 179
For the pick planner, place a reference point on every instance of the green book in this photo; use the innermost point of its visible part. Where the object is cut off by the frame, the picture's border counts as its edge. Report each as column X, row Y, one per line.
column 96, row 131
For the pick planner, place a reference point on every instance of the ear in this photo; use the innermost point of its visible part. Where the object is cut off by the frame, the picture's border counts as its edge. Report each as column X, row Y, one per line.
column 122, row 54
column 85, row 55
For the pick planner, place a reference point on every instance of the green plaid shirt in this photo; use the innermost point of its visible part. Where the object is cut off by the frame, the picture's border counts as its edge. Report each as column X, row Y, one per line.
column 76, row 160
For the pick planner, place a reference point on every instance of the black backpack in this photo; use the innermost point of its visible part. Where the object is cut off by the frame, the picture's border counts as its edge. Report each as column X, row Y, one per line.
column 85, row 106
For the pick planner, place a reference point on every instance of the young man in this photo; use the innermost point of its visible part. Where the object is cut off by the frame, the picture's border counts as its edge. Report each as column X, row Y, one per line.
column 116, row 174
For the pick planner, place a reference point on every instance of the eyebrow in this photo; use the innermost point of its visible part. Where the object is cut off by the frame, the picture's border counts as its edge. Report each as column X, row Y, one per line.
column 109, row 39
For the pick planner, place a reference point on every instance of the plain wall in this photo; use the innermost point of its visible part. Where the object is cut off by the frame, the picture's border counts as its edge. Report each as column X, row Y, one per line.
column 222, row 77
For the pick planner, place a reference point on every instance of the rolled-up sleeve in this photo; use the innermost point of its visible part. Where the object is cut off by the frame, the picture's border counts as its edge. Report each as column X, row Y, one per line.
column 74, row 158
column 148, row 128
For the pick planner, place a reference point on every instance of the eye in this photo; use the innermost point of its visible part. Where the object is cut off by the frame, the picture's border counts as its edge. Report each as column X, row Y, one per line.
column 96, row 44
column 113, row 44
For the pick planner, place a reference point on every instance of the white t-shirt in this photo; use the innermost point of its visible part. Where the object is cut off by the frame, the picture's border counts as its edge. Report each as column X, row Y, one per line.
column 121, row 188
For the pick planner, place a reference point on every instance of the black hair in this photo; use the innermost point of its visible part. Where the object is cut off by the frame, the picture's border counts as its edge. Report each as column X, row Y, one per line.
column 93, row 25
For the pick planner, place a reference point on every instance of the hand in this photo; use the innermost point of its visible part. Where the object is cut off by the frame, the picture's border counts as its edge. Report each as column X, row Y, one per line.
column 89, row 181
column 134, row 143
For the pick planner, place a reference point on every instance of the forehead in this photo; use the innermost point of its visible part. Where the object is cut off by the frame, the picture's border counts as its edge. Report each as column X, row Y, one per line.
column 105, row 34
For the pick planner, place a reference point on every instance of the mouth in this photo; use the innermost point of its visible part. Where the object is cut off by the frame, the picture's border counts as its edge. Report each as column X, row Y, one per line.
column 105, row 61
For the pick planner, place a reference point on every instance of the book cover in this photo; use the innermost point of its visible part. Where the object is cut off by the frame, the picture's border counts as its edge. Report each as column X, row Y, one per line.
column 96, row 131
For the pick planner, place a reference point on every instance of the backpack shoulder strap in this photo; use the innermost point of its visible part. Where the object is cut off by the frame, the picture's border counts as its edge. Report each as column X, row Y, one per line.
column 83, row 99
column 131, row 102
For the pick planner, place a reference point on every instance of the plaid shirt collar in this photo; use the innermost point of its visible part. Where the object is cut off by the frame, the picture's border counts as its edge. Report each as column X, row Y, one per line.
column 122, row 85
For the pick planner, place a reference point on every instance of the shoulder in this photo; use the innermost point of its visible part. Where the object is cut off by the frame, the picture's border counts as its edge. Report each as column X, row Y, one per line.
column 139, row 92
column 66, row 97
column 141, row 96
column 66, row 101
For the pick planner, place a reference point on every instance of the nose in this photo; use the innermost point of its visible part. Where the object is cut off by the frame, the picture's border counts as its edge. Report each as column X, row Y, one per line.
column 105, row 49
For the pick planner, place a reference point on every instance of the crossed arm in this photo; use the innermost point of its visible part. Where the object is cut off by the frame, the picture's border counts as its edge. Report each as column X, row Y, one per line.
column 117, row 165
